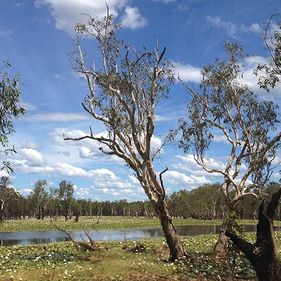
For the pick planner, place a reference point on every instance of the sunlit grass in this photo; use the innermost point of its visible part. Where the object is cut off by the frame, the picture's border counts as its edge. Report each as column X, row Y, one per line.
column 104, row 223
column 62, row 261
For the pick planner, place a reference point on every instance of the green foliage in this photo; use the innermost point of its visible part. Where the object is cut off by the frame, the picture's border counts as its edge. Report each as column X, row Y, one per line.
column 270, row 73
column 10, row 108
column 65, row 195
column 124, row 92
column 204, row 202
column 228, row 108
column 39, row 198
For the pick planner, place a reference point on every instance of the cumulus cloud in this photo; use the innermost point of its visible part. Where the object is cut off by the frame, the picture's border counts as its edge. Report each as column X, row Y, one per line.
column 31, row 161
column 66, row 169
column 29, row 167
column 181, row 180
column 33, row 156
column 187, row 163
column 89, row 149
column 188, row 73
column 132, row 18
column 68, row 13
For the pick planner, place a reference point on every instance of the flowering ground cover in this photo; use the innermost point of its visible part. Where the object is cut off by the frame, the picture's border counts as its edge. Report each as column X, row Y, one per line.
column 63, row 261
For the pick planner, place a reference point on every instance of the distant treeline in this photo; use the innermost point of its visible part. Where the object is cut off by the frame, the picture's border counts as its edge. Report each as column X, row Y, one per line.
column 204, row 202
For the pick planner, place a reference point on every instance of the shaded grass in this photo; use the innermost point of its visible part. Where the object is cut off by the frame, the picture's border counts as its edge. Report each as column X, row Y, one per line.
column 104, row 223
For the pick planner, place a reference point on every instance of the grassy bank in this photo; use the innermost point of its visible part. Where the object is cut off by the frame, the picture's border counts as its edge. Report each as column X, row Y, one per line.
column 62, row 261
column 104, row 223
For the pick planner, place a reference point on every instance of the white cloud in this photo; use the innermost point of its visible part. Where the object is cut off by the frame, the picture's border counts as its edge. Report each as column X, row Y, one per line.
column 102, row 174
column 85, row 152
column 27, row 167
column 83, row 192
column 162, row 118
column 28, row 106
column 86, row 148
column 25, row 191
column 4, row 173
column 181, row 180
column 66, row 169
column 33, row 156
column 228, row 26
column 156, row 143
column 90, row 149
column 132, row 18
column 220, row 138
column 56, row 117
column 187, row 163
column 254, row 27
column 165, row 1
column 253, row 61
column 188, row 73
column 68, row 13
column 249, row 78
column 232, row 29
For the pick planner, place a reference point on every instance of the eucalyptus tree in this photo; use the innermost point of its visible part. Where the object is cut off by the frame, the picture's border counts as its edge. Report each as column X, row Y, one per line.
column 123, row 95
column 262, row 254
column 10, row 108
column 247, row 124
column 4, row 182
column 39, row 198
column 65, row 196
column 270, row 73
column 6, row 193
column 228, row 108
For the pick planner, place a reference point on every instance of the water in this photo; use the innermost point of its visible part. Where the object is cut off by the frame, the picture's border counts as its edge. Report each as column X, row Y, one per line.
column 40, row 237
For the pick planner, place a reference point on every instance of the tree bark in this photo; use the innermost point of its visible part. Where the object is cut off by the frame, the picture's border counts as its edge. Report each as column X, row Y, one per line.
column 262, row 254
column 172, row 238
column 2, row 210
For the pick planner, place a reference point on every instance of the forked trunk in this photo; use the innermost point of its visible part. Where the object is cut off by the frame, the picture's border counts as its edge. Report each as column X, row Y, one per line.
column 262, row 254
column 172, row 238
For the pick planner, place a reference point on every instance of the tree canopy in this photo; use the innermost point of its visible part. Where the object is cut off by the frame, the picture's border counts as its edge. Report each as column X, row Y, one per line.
column 123, row 95
column 10, row 108
column 228, row 108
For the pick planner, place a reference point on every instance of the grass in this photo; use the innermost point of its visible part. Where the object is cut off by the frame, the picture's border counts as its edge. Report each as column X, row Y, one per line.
column 104, row 223
column 62, row 261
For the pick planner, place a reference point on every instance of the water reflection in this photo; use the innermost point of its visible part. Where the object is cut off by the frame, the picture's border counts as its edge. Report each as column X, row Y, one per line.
column 37, row 237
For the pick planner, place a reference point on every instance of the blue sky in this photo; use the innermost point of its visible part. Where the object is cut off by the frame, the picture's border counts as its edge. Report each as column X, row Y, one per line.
column 37, row 38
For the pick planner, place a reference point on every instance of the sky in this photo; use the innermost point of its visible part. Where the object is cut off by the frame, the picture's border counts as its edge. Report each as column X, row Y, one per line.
column 37, row 38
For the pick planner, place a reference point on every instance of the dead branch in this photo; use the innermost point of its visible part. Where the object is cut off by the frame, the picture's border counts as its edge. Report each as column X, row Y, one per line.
column 84, row 246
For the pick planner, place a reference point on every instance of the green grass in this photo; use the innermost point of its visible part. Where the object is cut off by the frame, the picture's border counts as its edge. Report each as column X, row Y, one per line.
column 104, row 223
column 62, row 261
